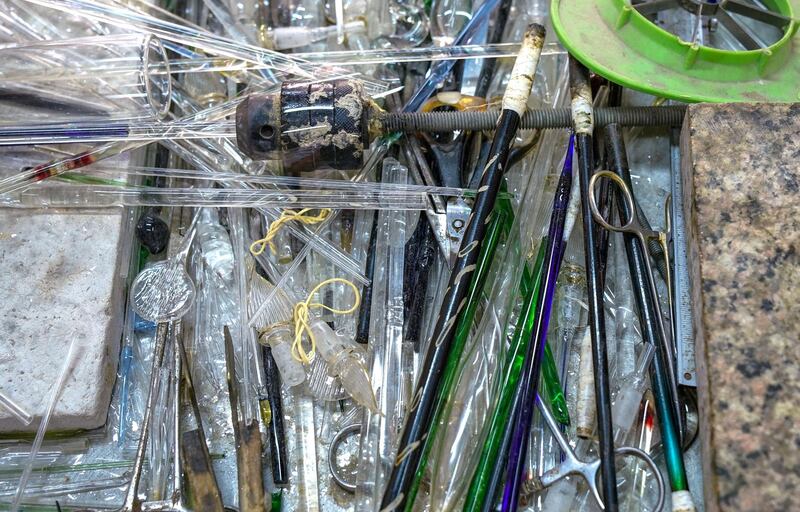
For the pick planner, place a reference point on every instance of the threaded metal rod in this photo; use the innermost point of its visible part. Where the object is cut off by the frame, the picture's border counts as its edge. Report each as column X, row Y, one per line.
column 533, row 119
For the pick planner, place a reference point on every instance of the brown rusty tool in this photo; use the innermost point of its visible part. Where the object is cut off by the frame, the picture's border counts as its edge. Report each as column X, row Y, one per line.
column 248, row 442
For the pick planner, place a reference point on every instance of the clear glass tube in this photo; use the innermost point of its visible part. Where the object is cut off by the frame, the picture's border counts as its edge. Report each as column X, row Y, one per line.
column 358, row 57
column 21, row 23
column 62, row 488
column 14, row 408
column 103, row 196
column 27, row 177
column 254, row 383
column 306, row 446
column 111, row 130
column 381, row 430
column 58, row 81
column 292, row 182
column 37, row 442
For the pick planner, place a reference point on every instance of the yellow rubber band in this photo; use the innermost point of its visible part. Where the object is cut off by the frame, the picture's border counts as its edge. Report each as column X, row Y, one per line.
column 259, row 246
column 300, row 316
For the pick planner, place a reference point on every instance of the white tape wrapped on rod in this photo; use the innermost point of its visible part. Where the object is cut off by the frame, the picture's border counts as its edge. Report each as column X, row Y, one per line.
column 582, row 112
column 521, row 80
column 682, row 501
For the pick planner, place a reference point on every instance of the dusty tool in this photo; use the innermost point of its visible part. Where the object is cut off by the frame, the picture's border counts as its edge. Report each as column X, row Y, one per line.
column 311, row 125
column 248, row 441
column 196, row 461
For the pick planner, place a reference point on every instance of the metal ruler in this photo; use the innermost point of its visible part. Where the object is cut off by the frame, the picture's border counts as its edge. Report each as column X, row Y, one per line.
column 682, row 299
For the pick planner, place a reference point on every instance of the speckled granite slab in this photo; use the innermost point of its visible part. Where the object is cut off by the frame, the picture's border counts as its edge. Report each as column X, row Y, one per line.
column 60, row 281
column 742, row 163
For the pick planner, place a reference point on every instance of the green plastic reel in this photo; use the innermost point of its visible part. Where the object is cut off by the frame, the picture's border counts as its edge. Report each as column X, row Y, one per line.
column 615, row 39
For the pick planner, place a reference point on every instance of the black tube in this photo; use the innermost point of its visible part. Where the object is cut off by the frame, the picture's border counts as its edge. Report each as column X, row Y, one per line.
column 419, row 269
column 605, row 200
column 663, row 384
column 582, row 118
column 275, row 429
column 362, row 329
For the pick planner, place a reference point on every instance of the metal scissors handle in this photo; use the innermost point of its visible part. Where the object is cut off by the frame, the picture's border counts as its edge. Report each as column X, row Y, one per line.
column 573, row 465
column 634, row 226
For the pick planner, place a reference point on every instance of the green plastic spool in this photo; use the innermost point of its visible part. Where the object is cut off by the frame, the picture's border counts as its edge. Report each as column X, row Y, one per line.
column 613, row 39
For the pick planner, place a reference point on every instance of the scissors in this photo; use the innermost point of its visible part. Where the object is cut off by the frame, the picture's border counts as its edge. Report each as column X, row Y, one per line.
column 636, row 227
column 450, row 158
column 574, row 465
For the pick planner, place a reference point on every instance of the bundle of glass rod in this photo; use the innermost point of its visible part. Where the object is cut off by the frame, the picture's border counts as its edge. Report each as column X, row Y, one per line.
column 94, row 192
column 118, row 87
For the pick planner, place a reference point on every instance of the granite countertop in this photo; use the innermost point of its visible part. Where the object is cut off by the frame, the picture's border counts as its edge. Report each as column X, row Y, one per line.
column 743, row 163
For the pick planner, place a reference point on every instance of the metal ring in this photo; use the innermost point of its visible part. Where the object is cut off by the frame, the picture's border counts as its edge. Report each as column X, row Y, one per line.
column 626, row 193
column 152, row 42
column 338, row 439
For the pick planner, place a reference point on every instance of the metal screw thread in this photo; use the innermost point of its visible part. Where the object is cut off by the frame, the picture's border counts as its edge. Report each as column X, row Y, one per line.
column 533, row 119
